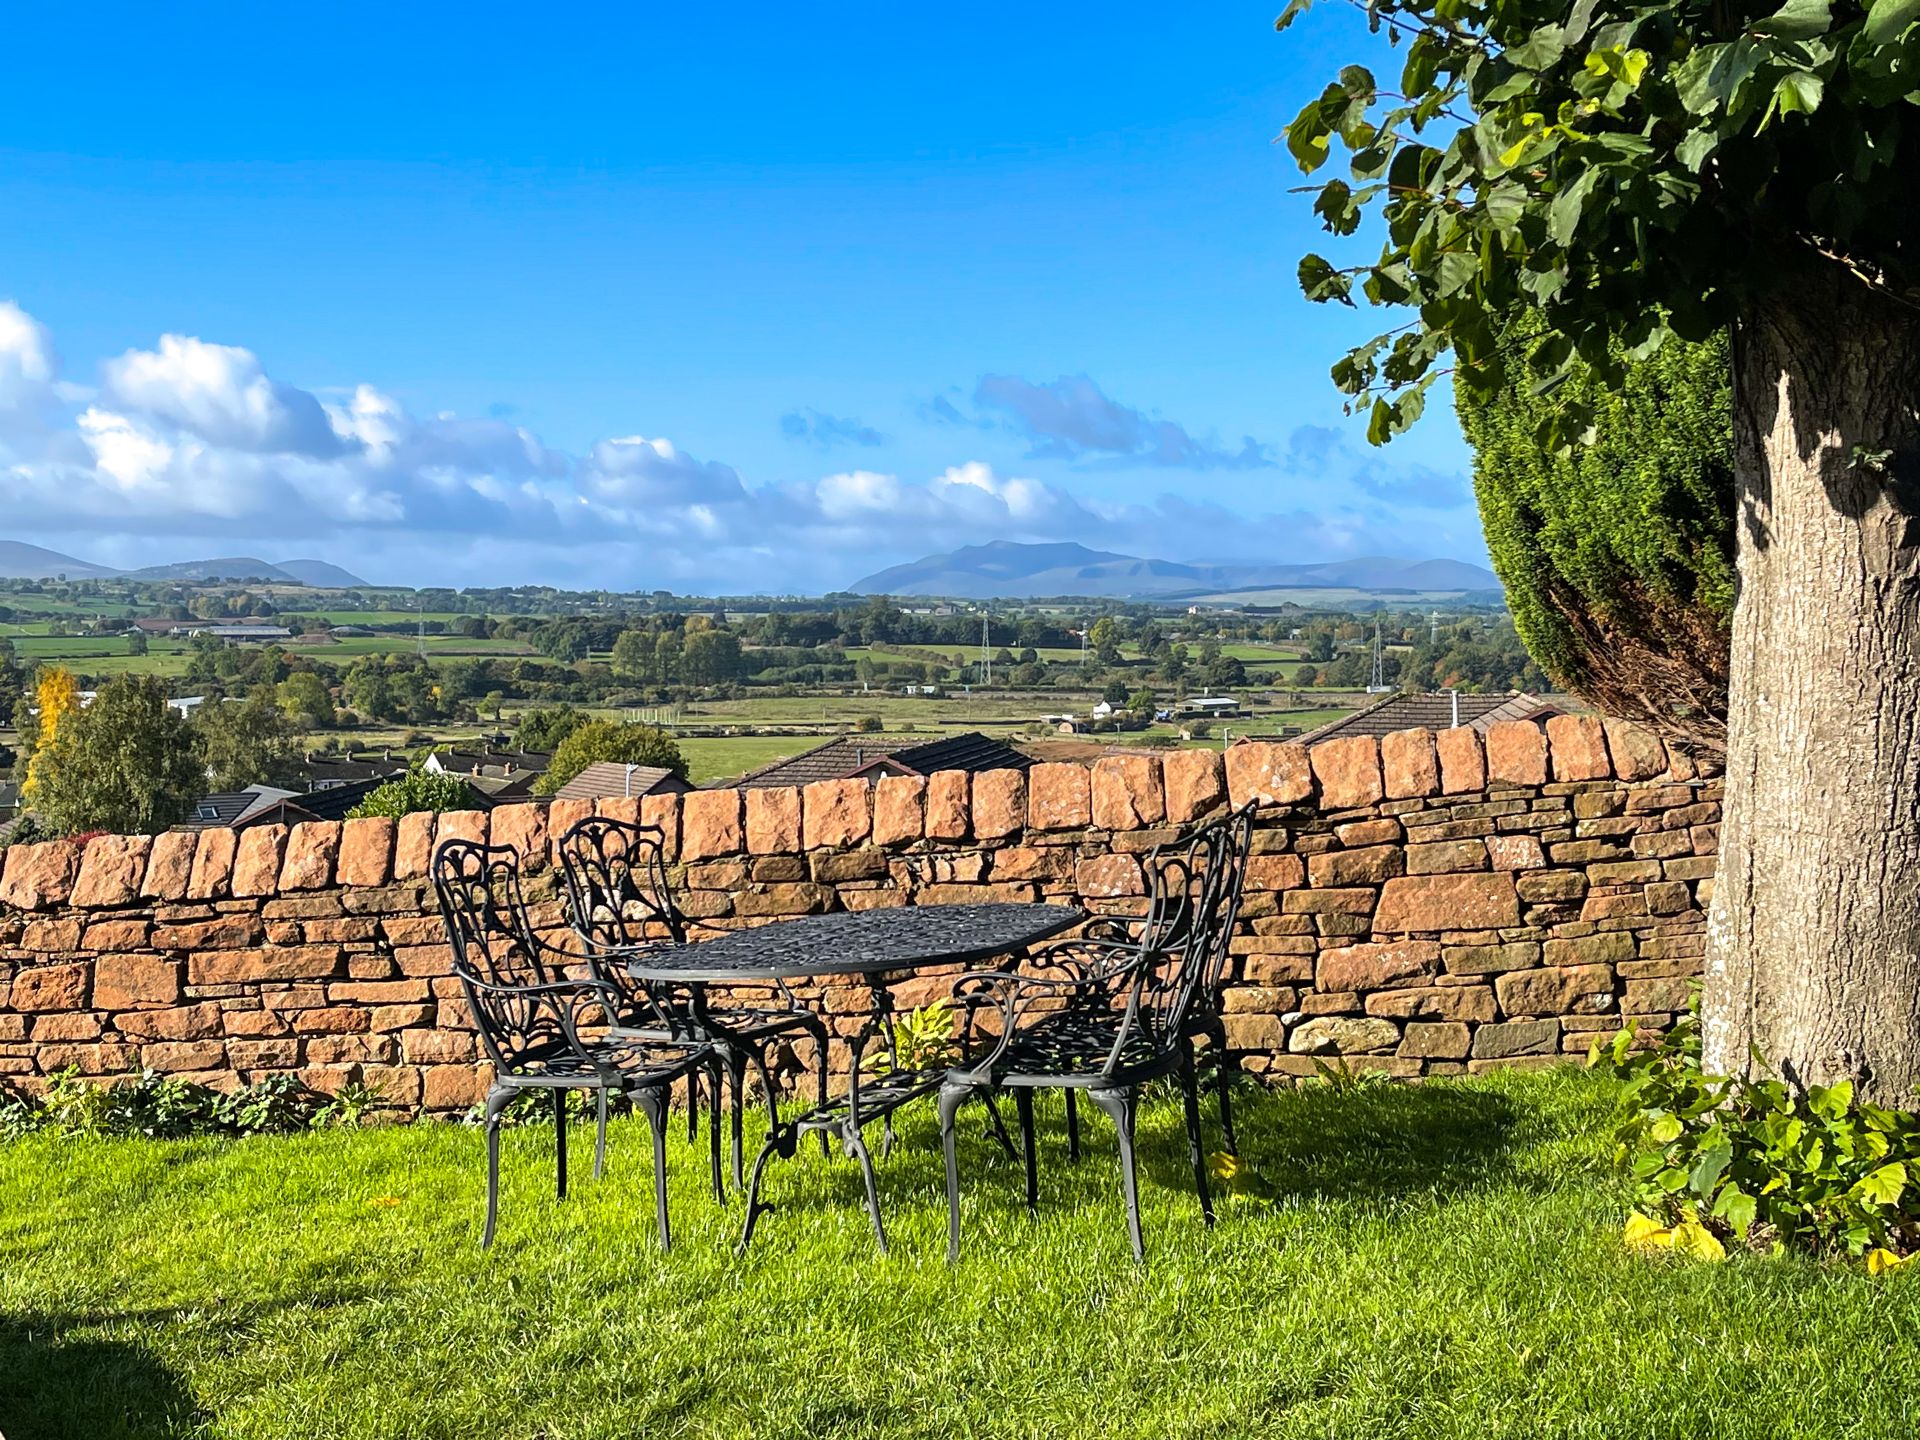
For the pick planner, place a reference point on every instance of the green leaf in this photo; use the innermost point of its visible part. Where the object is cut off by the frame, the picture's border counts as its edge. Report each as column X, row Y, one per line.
column 1796, row 20
column 1693, row 151
column 1541, row 50
column 1307, row 138
column 1882, row 1186
column 1295, row 9
column 1886, row 19
column 1798, row 93
column 1321, row 282
column 1709, row 1168
column 1456, row 271
column 1737, row 1208
column 1563, row 216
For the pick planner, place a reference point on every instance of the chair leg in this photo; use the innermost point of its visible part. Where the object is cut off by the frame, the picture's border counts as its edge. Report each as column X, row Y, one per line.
column 1023, row 1103
column 951, row 1098
column 1118, row 1103
column 693, row 1107
column 857, row 1147
column 497, row 1102
column 1190, row 1094
column 998, row 1126
column 1073, row 1124
column 653, row 1102
column 559, row 1144
column 737, row 1075
column 600, row 1134
column 716, row 1091
column 1224, row 1070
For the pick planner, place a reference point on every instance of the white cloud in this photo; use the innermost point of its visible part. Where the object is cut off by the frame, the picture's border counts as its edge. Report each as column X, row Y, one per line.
column 196, row 448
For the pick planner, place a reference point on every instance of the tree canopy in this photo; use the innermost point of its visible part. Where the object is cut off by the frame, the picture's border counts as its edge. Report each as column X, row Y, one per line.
column 599, row 740
column 1629, row 170
column 417, row 790
column 126, row 763
column 1618, row 557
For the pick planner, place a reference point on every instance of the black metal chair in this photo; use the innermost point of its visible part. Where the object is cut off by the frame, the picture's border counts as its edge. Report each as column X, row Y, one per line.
column 620, row 902
column 1104, row 1017
column 545, row 1031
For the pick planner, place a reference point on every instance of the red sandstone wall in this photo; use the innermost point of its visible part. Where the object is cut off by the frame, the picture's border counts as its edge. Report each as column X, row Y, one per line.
column 1426, row 904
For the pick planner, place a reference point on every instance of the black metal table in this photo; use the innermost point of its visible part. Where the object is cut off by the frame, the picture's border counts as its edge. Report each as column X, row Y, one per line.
column 872, row 945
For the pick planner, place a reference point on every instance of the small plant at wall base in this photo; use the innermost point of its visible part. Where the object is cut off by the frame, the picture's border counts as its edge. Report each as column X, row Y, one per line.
column 1715, row 1161
column 166, row 1107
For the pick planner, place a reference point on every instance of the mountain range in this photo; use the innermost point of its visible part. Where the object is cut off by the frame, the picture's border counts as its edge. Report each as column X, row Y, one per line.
column 1010, row 570
column 21, row 561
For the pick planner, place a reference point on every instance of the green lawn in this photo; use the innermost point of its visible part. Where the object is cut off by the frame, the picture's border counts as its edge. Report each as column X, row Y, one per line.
column 1441, row 1260
column 719, row 757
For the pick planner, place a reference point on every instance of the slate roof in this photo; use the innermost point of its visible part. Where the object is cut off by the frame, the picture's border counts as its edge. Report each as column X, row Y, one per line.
column 610, row 779
column 1435, row 711
column 873, row 756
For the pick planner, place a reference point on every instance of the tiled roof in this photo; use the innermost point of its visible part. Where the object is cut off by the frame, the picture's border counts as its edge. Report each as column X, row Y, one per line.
column 1435, row 711
column 610, row 779
column 847, row 754
column 231, row 807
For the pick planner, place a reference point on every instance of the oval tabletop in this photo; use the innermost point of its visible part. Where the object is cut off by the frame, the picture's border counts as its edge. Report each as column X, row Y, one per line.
column 858, row 942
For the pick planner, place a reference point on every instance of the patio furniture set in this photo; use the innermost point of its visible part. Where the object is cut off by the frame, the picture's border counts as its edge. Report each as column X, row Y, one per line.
column 633, row 1011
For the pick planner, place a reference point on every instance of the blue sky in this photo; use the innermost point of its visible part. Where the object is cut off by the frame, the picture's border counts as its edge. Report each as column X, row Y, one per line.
column 739, row 298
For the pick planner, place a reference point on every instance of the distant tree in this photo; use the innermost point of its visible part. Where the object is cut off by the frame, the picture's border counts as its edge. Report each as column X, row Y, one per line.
column 633, row 657
column 415, row 791
column 1105, row 639
column 868, row 725
column 543, row 730
column 1116, row 692
column 56, row 697
column 1617, row 555
column 493, row 703
column 136, row 642
column 126, row 763
column 710, row 657
column 303, row 696
column 246, row 742
column 599, row 740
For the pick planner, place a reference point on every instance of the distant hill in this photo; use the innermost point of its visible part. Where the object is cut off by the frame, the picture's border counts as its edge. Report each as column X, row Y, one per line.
column 21, row 561
column 1006, row 569
column 323, row 575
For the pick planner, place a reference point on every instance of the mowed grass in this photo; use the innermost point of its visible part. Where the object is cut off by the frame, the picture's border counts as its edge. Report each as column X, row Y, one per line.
column 720, row 757
column 1440, row 1260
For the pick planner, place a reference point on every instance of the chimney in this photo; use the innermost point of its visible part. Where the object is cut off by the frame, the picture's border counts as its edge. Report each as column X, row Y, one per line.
column 1455, row 694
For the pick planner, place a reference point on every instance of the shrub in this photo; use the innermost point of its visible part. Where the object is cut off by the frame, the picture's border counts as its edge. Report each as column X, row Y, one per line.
column 1618, row 557
column 414, row 791
column 626, row 744
column 166, row 1107
column 1714, row 1160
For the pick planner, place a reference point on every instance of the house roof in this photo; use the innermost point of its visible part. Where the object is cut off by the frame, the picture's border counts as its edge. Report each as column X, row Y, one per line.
column 327, row 770
column 869, row 755
column 498, row 763
column 1435, row 711
column 231, row 808
column 610, row 779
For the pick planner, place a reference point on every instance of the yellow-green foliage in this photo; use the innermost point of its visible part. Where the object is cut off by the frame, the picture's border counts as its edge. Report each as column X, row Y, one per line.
column 1617, row 557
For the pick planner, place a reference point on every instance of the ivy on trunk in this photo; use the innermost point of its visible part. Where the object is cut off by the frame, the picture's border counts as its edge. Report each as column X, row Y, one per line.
column 1632, row 172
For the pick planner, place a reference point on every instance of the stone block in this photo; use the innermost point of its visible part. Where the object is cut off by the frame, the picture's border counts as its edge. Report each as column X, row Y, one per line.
column 170, row 865
column 1194, row 781
column 1556, row 990
column 523, row 830
column 710, row 823
column 39, row 877
column 1515, row 852
column 1275, row 872
column 1377, row 967
column 1473, row 1004
column 1105, row 877
column 312, row 847
column 773, row 819
column 1446, row 857
column 900, row 809
column 1348, row 771
column 1127, row 793
column 1409, row 764
column 1447, row 902
column 111, row 871
column 1436, row 1040
column 1342, row 1035
column 49, row 987
column 413, row 844
column 949, row 800
column 1637, row 752
column 1608, row 947
column 1058, row 797
column 1551, row 887
column 1577, row 745
column 366, row 851
column 836, row 813
column 999, row 803
column 1370, row 866
column 1518, row 1037
column 256, row 861
column 1265, row 772
column 1491, row 959
column 1463, row 762
column 1516, row 753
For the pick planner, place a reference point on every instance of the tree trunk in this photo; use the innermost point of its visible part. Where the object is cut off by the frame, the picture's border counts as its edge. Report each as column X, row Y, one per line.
column 1813, row 942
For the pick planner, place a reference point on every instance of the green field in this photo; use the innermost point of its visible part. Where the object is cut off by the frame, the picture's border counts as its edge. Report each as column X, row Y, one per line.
column 1429, row 1262
column 721, row 757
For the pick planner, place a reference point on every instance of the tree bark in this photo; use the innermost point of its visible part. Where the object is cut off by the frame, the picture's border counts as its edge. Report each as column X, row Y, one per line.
column 1813, row 939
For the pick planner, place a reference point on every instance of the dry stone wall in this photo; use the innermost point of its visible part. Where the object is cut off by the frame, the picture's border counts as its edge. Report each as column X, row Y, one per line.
column 1425, row 904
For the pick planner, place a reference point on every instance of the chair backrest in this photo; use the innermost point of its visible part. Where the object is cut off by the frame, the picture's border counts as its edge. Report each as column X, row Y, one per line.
column 478, row 889
column 1194, row 892
column 615, row 876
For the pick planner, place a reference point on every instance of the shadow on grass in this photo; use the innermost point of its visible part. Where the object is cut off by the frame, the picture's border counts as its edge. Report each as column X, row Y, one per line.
column 79, row 1376
column 57, row 1381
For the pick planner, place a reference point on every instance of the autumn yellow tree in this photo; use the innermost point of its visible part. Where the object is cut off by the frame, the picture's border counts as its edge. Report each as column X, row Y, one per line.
column 57, row 695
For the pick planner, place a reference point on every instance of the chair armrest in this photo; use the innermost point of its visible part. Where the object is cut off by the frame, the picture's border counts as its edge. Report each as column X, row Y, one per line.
column 566, row 1004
